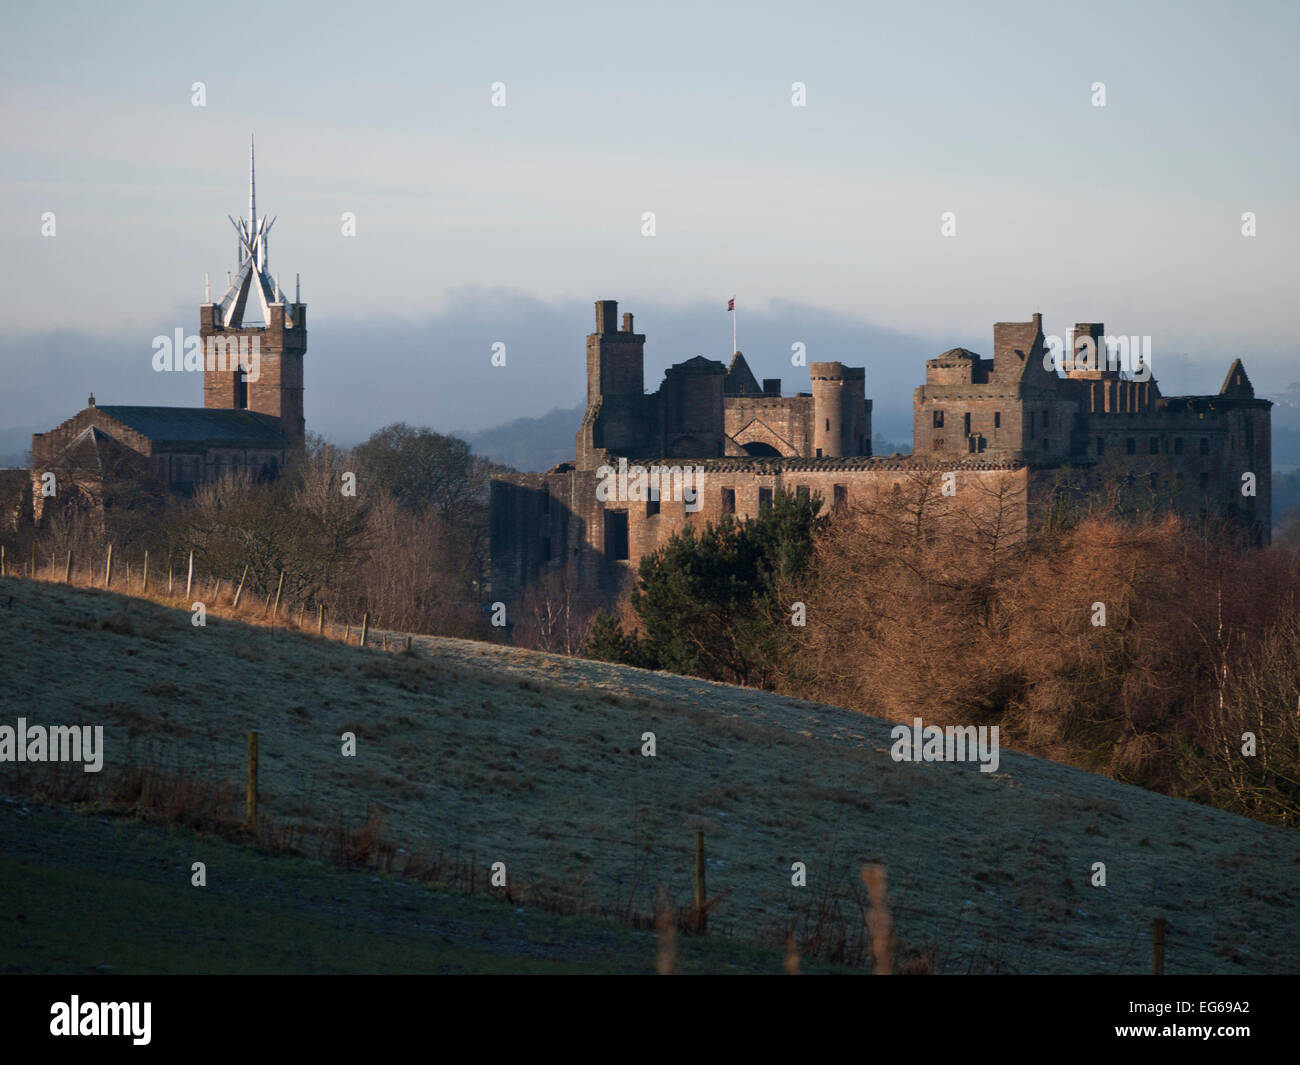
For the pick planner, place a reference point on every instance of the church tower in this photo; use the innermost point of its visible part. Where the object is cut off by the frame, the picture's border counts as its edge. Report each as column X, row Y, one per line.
column 255, row 367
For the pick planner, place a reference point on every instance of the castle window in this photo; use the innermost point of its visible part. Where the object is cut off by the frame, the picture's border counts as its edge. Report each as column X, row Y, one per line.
column 728, row 501
column 1205, row 445
column 997, row 419
column 1131, row 446
column 801, row 492
column 966, row 420
column 970, row 444
column 1101, row 445
column 1154, row 444
column 764, row 499
column 616, row 535
column 1178, row 445
column 651, row 507
column 819, row 452
column 938, row 419
column 241, row 392
column 828, row 425
column 841, row 496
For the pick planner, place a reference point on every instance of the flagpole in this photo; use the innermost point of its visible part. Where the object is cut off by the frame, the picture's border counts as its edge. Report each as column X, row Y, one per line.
column 734, row 349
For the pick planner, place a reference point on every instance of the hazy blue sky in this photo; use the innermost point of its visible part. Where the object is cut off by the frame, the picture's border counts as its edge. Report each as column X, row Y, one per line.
column 478, row 223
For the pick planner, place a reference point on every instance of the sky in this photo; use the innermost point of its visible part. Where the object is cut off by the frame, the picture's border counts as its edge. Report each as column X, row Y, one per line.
column 478, row 224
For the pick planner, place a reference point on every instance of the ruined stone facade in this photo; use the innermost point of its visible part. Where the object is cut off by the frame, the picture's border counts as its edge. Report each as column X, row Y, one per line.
column 706, row 410
column 1198, row 452
column 1001, row 426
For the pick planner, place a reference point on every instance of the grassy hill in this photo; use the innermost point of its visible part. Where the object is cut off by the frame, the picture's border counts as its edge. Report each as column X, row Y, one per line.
column 469, row 754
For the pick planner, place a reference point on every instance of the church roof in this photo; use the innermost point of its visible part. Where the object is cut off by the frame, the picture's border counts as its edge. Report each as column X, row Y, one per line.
column 201, row 425
column 86, row 450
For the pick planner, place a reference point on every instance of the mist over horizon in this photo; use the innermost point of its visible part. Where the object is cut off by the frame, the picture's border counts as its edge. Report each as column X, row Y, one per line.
column 437, row 371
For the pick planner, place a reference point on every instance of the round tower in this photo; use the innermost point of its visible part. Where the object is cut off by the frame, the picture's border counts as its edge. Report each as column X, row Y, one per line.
column 829, row 408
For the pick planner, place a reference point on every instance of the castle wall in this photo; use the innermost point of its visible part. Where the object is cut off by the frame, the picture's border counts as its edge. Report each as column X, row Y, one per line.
column 785, row 423
column 543, row 522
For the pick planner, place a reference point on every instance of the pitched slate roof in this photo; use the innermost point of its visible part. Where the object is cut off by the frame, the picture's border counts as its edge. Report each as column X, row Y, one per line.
column 200, row 425
column 87, row 449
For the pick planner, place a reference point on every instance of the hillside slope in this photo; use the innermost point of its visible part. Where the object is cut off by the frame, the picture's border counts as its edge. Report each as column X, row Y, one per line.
column 497, row 754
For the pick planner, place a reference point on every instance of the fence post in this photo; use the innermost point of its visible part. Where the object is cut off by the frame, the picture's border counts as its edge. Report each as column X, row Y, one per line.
column 365, row 628
column 2, row 560
column 240, row 589
column 67, row 573
column 1158, row 947
column 320, row 620
column 108, row 567
column 276, row 612
column 408, row 645
column 171, row 573
column 251, row 801
column 701, row 920
column 144, row 582
column 33, row 558
column 189, row 577
column 347, row 633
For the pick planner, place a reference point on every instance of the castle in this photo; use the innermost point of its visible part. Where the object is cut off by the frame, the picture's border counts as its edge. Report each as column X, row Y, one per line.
column 252, row 413
column 1014, row 419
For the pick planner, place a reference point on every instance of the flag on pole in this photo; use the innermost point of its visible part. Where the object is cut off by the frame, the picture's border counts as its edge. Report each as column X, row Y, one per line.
column 731, row 305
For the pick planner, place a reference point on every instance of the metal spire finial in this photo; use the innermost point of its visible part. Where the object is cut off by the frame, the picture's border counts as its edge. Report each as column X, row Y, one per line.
column 252, row 279
column 252, row 189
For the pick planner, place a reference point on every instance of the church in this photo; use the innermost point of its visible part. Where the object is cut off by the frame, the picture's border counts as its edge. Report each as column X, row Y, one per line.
column 252, row 413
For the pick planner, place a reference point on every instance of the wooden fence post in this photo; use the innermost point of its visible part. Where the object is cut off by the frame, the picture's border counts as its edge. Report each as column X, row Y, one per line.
column 108, row 567
column 2, row 560
column 1158, row 946
column 365, row 628
column 189, row 577
column 408, row 645
column 240, row 589
column 67, row 573
column 276, row 612
column 171, row 572
column 320, row 620
column 701, row 919
column 250, row 804
column 144, row 581
column 347, row 633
